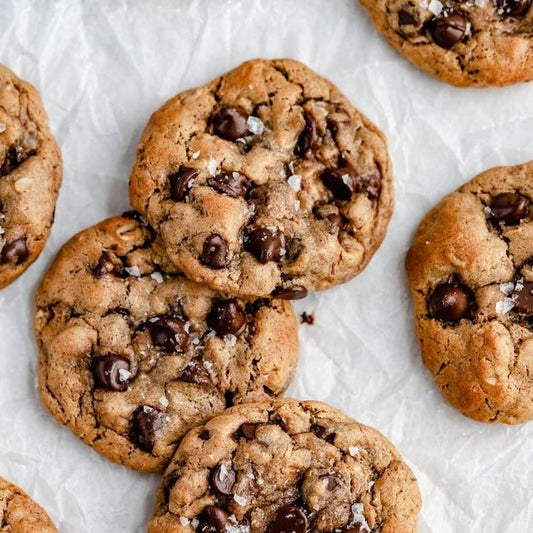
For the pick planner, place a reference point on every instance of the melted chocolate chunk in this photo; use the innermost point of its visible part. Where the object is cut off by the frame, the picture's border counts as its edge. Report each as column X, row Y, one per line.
column 215, row 252
column 227, row 318
column 523, row 298
column 509, row 207
column 195, row 372
column 449, row 28
column 107, row 371
column 309, row 136
column 15, row 252
column 514, row 8
column 370, row 184
column 405, row 18
column 294, row 292
column 340, row 181
column 14, row 158
column 145, row 424
column 266, row 244
column 108, row 264
column 289, row 519
column 181, row 183
column 222, row 479
column 248, row 430
column 231, row 123
column 213, row 520
column 449, row 302
column 233, row 184
column 169, row 333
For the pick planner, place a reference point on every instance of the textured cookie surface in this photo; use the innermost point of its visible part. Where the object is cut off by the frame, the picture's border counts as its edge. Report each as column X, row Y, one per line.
column 30, row 176
column 470, row 269
column 465, row 43
column 265, row 181
column 19, row 513
column 286, row 466
column 133, row 355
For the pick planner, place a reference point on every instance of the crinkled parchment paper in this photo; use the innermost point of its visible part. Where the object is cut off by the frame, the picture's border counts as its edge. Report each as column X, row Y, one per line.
column 102, row 67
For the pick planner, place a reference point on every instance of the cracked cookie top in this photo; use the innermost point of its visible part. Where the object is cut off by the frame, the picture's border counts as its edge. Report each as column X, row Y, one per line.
column 19, row 513
column 286, row 466
column 466, row 42
column 30, row 176
column 265, row 182
column 133, row 355
column 470, row 269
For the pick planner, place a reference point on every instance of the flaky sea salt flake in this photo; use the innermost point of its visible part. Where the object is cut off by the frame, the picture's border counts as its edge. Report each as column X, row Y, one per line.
column 230, row 340
column 435, row 7
column 241, row 500
column 157, row 276
column 123, row 374
column 2, row 128
column 354, row 450
column 359, row 518
column 196, row 155
column 184, row 521
column 295, row 182
column 133, row 271
column 255, row 125
column 212, row 167
column 504, row 306
column 507, row 288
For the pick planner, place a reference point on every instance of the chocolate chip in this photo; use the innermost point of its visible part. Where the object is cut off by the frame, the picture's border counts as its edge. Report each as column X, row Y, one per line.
column 248, row 430
column 108, row 265
column 15, row 252
column 289, row 519
column 214, row 252
column 448, row 302
column 514, row 8
column 231, row 123
column 195, row 372
column 14, row 157
column 340, row 181
column 405, row 18
column 222, row 480
column 509, row 207
column 523, row 298
column 213, row 520
column 145, row 424
column 107, row 371
column 370, row 184
column 181, row 183
column 309, row 136
column 266, row 244
column 232, row 184
column 294, row 292
column 449, row 28
column 227, row 318
column 169, row 333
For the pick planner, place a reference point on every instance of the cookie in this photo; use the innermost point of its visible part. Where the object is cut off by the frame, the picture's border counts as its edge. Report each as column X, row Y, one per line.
column 19, row 513
column 470, row 270
column 30, row 176
column 264, row 182
column 285, row 466
column 133, row 355
column 465, row 43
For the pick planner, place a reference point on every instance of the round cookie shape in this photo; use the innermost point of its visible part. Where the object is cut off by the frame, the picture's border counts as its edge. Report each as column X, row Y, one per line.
column 286, row 465
column 470, row 270
column 133, row 355
column 19, row 513
column 30, row 176
column 265, row 182
column 464, row 43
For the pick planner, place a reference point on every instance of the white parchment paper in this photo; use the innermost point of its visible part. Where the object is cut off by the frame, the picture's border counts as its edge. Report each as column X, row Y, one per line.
column 102, row 67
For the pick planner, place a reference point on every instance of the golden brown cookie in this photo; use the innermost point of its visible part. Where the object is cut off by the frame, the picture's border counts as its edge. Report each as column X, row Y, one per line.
column 470, row 269
column 133, row 355
column 266, row 181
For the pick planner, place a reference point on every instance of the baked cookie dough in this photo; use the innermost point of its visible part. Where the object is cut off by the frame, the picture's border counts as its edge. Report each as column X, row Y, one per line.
column 470, row 270
column 133, row 355
column 30, row 176
column 265, row 182
column 19, row 513
column 286, row 466
column 465, row 43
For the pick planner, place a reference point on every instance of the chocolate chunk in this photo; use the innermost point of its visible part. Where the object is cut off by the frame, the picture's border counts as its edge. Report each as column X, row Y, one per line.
column 222, row 480
column 232, row 184
column 340, row 181
column 266, row 244
column 169, row 333
column 405, row 18
column 356, row 528
column 14, row 157
column 523, row 297
column 227, row 318
column 509, row 207
column 370, row 184
column 449, row 302
column 195, row 372
column 248, row 430
column 514, row 8
column 213, row 520
column 289, row 519
column 107, row 371
column 294, row 292
column 449, row 28
column 15, row 252
column 215, row 252
column 145, row 424
column 231, row 123
column 309, row 136
column 108, row 265
column 181, row 183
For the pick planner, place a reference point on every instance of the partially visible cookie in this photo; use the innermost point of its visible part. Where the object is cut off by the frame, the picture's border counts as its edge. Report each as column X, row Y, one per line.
column 265, row 182
column 133, row 355
column 30, row 176
column 19, row 513
column 470, row 269
column 286, row 466
column 466, row 42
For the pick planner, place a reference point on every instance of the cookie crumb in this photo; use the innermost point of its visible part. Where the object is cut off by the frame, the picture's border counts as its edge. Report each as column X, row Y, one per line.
column 307, row 318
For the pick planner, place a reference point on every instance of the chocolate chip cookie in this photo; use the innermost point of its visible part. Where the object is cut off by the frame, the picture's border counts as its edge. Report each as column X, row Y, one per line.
column 19, row 513
column 133, row 355
column 470, row 269
column 286, row 466
column 30, row 176
column 462, row 42
column 265, row 182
